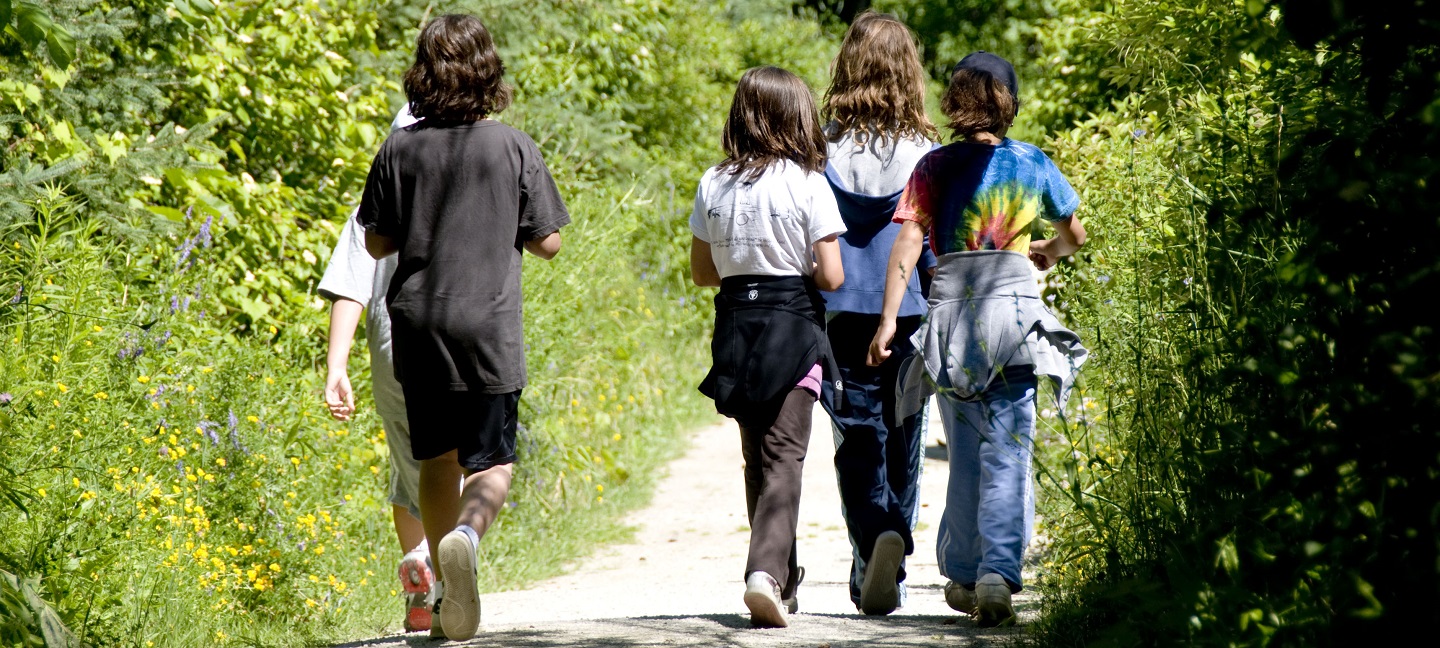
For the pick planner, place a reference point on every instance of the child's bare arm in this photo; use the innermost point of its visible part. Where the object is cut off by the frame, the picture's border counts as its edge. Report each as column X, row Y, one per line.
column 545, row 247
column 829, row 274
column 702, row 265
column 339, row 397
column 1069, row 237
column 379, row 246
column 903, row 256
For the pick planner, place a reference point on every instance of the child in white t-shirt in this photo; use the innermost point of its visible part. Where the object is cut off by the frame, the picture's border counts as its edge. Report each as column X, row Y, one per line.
column 355, row 283
column 765, row 225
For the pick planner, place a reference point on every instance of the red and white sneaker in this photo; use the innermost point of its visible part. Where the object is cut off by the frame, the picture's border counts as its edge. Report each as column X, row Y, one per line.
column 417, row 578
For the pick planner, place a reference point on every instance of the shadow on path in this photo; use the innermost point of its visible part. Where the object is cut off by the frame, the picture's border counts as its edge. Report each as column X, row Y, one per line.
column 732, row 631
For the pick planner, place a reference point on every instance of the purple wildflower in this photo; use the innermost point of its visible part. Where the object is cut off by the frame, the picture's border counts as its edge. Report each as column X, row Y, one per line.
column 5, row 398
column 164, row 451
column 208, row 427
column 19, row 292
column 164, row 337
column 174, row 304
column 185, row 305
column 203, row 236
column 180, row 467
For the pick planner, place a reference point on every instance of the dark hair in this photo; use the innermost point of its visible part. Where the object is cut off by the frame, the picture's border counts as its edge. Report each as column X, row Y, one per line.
column 977, row 102
column 457, row 75
column 877, row 84
column 772, row 119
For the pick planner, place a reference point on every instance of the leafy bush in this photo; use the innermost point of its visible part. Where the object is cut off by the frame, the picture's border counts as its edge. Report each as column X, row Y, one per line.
column 168, row 201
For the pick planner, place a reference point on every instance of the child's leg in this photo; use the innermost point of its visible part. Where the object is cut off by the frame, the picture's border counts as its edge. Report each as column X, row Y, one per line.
column 865, row 442
column 774, row 460
column 1005, row 457
column 407, row 528
column 958, row 545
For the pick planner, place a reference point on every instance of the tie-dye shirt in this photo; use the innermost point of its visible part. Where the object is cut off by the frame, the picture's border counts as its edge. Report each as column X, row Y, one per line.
column 980, row 197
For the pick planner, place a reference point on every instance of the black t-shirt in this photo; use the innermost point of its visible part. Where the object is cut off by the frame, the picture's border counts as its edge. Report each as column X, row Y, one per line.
column 460, row 201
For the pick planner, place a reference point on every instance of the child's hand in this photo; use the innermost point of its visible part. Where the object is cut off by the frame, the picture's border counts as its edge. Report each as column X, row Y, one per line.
column 1042, row 254
column 880, row 345
column 338, row 396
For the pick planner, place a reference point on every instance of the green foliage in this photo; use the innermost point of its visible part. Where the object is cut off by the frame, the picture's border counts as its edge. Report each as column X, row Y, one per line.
column 167, row 202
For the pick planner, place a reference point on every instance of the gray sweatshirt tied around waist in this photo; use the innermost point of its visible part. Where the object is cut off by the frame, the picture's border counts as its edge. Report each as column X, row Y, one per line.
column 985, row 314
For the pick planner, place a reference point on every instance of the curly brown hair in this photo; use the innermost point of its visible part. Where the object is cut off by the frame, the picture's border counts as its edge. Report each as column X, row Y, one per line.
column 877, row 83
column 978, row 102
column 772, row 119
column 457, row 75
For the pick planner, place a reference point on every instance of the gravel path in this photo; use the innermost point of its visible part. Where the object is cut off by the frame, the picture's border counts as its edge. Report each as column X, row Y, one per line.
column 679, row 583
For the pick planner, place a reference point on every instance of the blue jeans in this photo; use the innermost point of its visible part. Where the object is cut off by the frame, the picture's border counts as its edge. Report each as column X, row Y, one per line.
column 989, row 503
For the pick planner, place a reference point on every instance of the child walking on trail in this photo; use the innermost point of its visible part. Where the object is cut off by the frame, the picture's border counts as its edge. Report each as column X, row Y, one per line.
column 988, row 337
column 355, row 284
column 457, row 197
column 765, row 227
column 877, row 132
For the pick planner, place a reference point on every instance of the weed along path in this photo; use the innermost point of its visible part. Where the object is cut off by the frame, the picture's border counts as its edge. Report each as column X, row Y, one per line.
column 679, row 582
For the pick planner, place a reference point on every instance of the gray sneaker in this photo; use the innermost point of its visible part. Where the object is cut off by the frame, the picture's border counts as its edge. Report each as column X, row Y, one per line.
column 879, row 591
column 460, row 609
column 959, row 598
column 762, row 596
column 792, row 604
column 992, row 602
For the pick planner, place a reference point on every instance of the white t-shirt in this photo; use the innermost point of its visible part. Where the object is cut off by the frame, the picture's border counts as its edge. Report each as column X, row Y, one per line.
column 767, row 227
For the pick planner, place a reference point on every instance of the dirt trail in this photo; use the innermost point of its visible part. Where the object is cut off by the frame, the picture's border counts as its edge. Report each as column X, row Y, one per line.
column 679, row 583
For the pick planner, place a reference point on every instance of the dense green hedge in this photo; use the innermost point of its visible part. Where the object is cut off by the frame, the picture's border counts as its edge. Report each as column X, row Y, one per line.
column 168, row 200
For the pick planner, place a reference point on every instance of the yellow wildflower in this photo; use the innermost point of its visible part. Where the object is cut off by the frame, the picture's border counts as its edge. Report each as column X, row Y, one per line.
column 143, row 379
column 61, row 386
column 101, row 395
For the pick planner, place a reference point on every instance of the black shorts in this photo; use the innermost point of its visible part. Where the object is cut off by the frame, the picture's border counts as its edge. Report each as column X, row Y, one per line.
column 480, row 426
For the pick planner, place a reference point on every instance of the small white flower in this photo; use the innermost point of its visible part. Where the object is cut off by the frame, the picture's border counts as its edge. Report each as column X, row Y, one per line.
column 180, row 130
column 333, row 56
column 308, row 256
column 249, row 276
column 616, row 27
column 268, row 101
column 245, row 38
column 247, row 179
column 244, row 90
column 151, row 180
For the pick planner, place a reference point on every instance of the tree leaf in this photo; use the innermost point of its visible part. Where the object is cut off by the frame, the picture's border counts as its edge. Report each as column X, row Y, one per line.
column 61, row 46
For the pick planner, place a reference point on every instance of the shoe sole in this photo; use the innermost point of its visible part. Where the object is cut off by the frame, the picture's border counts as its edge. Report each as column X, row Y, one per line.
column 961, row 602
column 879, row 593
column 415, row 577
column 418, row 619
column 993, row 610
column 460, row 609
column 764, row 610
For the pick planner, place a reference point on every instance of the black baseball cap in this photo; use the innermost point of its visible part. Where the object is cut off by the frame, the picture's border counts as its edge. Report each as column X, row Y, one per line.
column 994, row 65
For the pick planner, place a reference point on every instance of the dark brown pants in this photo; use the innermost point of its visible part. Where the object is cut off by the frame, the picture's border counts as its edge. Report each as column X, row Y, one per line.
column 774, row 458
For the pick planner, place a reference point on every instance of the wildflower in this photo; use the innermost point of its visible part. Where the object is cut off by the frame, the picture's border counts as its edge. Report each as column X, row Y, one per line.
column 220, row 461
column 599, row 488
column 616, row 437
column 63, row 389
column 1104, row 279
column 101, row 395
column 19, row 291
column 143, row 379
column 5, row 398
column 41, row 491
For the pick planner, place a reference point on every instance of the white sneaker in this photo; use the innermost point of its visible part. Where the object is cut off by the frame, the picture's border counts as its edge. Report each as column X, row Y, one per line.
column 959, row 598
column 417, row 578
column 762, row 596
column 879, row 593
column 992, row 602
column 460, row 607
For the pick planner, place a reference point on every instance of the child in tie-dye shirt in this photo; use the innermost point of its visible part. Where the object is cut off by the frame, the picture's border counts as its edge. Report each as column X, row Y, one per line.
column 987, row 336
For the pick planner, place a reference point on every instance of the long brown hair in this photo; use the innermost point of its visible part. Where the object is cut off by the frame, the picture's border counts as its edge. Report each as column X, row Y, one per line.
column 978, row 102
column 457, row 75
column 772, row 119
column 877, row 84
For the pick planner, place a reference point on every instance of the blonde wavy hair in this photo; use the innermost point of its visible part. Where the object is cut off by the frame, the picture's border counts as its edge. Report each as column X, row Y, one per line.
column 877, row 83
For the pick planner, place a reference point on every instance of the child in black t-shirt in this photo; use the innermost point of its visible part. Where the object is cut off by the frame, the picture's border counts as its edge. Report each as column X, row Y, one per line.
column 458, row 196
